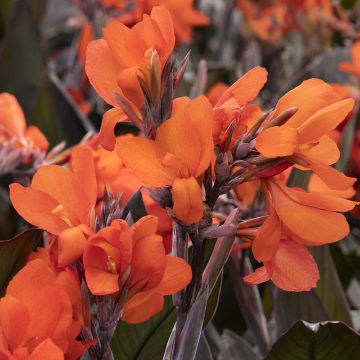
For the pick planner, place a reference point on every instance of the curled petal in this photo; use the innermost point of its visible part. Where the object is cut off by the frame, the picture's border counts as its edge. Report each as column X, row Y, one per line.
column 106, row 135
column 188, row 203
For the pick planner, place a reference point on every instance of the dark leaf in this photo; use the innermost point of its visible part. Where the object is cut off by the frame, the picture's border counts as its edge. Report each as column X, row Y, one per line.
column 329, row 287
column 324, row 341
column 203, row 351
column 13, row 253
column 136, row 207
column 234, row 347
column 290, row 307
column 213, row 301
column 21, row 62
column 146, row 341
column 190, row 335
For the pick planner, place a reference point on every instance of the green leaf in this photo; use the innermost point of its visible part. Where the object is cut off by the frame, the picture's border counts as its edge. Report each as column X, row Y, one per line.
column 21, row 62
column 235, row 347
column 329, row 287
column 13, row 253
column 290, row 307
column 146, row 341
column 324, row 341
column 55, row 116
column 136, row 207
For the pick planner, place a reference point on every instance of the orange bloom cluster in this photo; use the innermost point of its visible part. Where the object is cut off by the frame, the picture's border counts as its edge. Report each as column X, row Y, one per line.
column 62, row 201
column 38, row 316
column 270, row 20
column 163, row 162
column 184, row 14
column 354, row 66
column 114, row 63
column 119, row 251
column 15, row 136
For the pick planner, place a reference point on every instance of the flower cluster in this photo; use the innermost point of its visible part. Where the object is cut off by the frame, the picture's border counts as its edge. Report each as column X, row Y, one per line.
column 198, row 164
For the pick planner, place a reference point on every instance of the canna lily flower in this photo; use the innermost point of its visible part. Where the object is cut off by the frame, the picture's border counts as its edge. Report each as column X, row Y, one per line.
column 354, row 66
column 13, row 127
column 42, row 312
column 181, row 152
column 292, row 268
column 120, row 256
column 113, row 63
column 112, row 174
column 232, row 106
column 305, row 136
column 310, row 219
column 61, row 201
column 183, row 13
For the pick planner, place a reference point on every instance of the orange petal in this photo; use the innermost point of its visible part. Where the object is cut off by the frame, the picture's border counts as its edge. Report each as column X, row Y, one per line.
column 121, row 41
column 333, row 178
column 144, row 157
column 323, row 95
column 293, row 268
column 82, row 165
column 130, row 86
column 259, row 276
column 142, row 307
column 325, row 151
column 148, row 262
column 70, row 245
column 163, row 18
column 11, row 115
column 146, row 226
column 36, row 208
column 101, row 282
column 36, row 138
column 177, row 275
column 318, row 186
column 47, row 350
column 102, row 71
column 325, row 120
column 325, row 202
column 315, row 225
column 267, row 238
column 106, row 135
column 287, row 140
column 13, row 311
column 188, row 202
column 188, row 133
column 247, row 87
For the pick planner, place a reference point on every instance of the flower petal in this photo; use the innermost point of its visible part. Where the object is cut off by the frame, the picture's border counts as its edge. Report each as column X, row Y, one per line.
column 188, row 203
column 106, row 135
column 177, row 275
column 293, row 268
column 277, row 141
column 267, row 239
column 142, row 307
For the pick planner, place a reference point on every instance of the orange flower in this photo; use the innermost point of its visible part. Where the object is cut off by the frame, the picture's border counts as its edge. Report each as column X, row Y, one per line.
column 308, row 218
column 42, row 312
column 61, row 201
column 185, row 17
column 181, row 152
column 120, row 256
column 13, row 126
column 305, row 136
column 113, row 63
column 292, row 268
column 112, row 174
column 183, row 13
column 232, row 106
column 354, row 66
